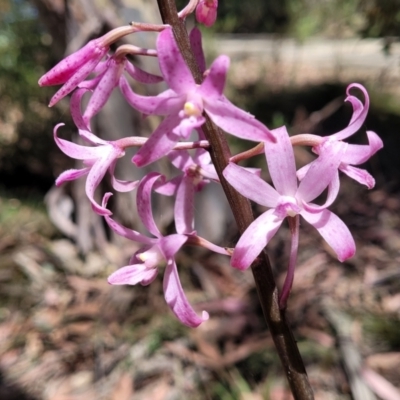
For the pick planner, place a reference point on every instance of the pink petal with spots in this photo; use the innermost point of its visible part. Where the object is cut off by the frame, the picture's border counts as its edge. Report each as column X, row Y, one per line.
column 177, row 300
column 334, row 231
column 173, row 67
column 67, row 67
column 197, row 47
column 214, row 83
column 71, row 175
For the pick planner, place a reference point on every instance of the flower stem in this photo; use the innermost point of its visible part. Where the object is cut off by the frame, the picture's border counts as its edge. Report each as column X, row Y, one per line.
column 304, row 139
column 190, row 7
column 265, row 283
column 139, row 141
column 294, row 223
column 130, row 49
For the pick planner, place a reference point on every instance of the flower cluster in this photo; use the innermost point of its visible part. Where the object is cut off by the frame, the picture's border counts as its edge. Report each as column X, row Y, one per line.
column 186, row 106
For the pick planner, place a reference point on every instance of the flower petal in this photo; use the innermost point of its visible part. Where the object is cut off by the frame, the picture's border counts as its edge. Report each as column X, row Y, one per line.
column 76, row 151
column 141, row 76
column 214, row 83
column 202, row 157
column 184, row 206
column 95, row 176
column 254, row 239
column 251, row 185
column 281, row 163
column 123, row 186
column 173, row 67
column 74, row 81
column 132, row 274
column 119, row 185
column 187, row 125
column 171, row 244
column 160, row 143
column 236, row 121
column 180, row 159
column 71, row 174
column 90, row 84
column 100, row 67
column 92, row 138
column 209, row 172
column 122, row 230
column 103, row 90
column 67, row 67
column 176, row 298
column 169, row 188
column 334, row 231
column 301, row 172
column 75, row 108
column 197, row 47
column 321, row 171
column 333, row 190
column 165, row 103
column 359, row 154
column 143, row 200
column 359, row 175
column 360, row 112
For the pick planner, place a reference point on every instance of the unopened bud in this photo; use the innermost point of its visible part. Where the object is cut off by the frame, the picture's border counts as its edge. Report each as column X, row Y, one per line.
column 206, row 12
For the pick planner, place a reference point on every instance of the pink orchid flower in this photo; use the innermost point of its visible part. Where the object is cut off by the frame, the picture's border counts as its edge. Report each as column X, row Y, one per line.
column 159, row 250
column 73, row 69
column 289, row 199
column 98, row 160
column 355, row 154
column 185, row 102
column 206, row 12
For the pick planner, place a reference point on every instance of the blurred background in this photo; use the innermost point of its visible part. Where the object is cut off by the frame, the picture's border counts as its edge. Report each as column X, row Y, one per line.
column 65, row 334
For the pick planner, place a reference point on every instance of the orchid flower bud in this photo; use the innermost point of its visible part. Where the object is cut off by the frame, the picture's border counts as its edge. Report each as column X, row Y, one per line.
column 73, row 69
column 206, row 12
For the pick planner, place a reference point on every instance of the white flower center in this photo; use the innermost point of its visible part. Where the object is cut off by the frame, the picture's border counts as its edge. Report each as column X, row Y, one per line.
column 192, row 110
column 193, row 106
column 287, row 207
column 152, row 257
